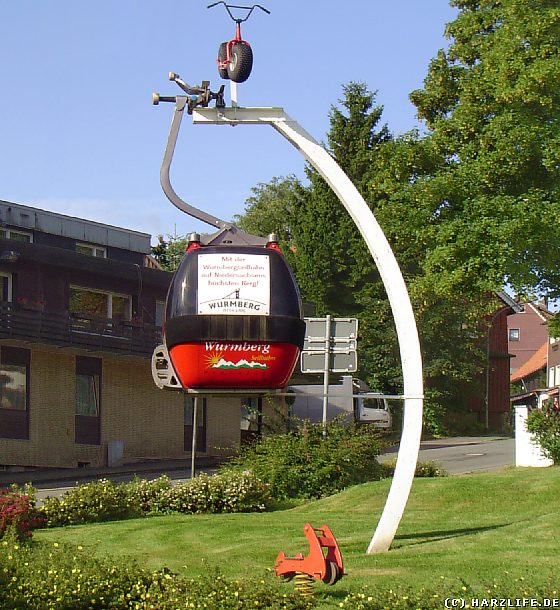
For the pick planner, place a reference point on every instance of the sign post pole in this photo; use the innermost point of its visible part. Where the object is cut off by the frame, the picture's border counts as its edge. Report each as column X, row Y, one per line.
column 326, row 372
column 194, row 439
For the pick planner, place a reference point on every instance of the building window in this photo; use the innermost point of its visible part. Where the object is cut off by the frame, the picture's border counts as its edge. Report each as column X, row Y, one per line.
column 88, row 400
column 5, row 287
column 100, row 304
column 87, row 394
column 13, row 387
column 91, row 250
column 120, row 307
column 16, row 235
column 88, row 386
column 14, row 392
column 160, row 312
column 251, row 418
column 514, row 334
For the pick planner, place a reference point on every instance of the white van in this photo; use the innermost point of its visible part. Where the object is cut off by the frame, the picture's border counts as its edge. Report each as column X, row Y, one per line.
column 349, row 398
column 374, row 410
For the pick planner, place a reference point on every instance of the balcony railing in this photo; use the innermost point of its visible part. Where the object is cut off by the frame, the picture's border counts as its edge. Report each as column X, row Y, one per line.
column 78, row 330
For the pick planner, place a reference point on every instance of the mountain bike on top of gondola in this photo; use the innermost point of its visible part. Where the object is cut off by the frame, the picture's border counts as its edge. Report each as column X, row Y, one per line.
column 235, row 56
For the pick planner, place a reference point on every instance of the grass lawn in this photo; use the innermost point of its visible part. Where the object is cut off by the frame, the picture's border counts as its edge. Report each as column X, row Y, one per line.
column 476, row 527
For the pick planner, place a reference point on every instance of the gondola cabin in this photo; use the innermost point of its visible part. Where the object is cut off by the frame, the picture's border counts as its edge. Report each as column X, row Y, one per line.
column 234, row 318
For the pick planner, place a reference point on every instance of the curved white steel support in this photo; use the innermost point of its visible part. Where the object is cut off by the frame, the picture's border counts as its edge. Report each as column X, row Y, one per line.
column 384, row 258
column 180, row 105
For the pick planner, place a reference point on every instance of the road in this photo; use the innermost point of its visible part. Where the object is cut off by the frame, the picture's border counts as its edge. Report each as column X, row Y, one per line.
column 466, row 454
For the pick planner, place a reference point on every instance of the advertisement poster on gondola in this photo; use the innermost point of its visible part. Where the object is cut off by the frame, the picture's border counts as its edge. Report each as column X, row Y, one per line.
column 234, row 284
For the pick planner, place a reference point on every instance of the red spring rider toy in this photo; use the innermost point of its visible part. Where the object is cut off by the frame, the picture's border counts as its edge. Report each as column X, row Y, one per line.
column 324, row 561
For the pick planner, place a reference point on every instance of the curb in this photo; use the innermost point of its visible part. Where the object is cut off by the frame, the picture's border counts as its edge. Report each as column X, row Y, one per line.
column 74, row 475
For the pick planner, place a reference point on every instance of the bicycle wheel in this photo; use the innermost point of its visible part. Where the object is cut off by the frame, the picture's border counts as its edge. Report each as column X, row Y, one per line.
column 240, row 63
column 222, row 56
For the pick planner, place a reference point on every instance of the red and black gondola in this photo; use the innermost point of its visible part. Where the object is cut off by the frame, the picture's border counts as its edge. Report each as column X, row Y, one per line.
column 234, row 318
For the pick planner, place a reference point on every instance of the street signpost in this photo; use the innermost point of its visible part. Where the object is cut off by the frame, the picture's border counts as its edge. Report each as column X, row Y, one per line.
column 330, row 346
column 336, row 337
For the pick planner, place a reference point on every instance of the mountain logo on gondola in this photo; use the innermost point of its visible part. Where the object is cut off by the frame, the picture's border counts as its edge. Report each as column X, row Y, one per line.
column 216, row 360
column 241, row 364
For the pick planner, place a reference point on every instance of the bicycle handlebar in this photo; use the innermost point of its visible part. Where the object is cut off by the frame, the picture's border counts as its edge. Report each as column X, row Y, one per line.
column 246, row 8
column 262, row 8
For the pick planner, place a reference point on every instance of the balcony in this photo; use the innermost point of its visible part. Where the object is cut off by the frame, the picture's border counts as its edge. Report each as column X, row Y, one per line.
column 65, row 329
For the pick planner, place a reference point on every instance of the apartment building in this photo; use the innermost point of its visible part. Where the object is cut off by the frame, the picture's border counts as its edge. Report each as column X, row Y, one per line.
column 81, row 311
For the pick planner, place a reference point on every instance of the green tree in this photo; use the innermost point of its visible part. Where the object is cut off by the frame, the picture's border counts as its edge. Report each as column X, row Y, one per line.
column 169, row 253
column 497, row 130
column 472, row 205
column 332, row 263
column 554, row 326
column 492, row 105
column 270, row 209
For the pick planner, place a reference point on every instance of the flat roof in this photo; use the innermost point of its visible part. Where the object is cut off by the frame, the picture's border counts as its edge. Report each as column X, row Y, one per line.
column 90, row 231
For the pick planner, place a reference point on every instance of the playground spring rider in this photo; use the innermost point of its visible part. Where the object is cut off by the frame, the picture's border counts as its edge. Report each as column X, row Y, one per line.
column 235, row 57
column 324, row 561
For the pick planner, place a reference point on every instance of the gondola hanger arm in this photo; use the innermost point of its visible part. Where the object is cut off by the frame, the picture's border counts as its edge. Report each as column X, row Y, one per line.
column 197, row 96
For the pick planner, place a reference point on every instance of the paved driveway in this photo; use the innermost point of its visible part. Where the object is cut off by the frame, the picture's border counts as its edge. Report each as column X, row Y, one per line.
column 462, row 455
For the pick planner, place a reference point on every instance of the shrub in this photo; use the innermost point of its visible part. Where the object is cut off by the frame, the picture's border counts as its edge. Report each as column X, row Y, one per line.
column 231, row 492
column 423, row 469
column 103, row 500
column 145, row 494
column 48, row 577
column 218, row 593
column 545, row 425
column 306, row 463
column 18, row 512
column 100, row 500
column 451, row 593
column 45, row 576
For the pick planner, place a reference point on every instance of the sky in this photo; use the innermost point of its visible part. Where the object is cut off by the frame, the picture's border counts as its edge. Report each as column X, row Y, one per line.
column 79, row 134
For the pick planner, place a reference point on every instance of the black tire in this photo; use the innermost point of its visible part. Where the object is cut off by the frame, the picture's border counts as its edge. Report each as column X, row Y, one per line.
column 241, row 63
column 332, row 574
column 222, row 56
